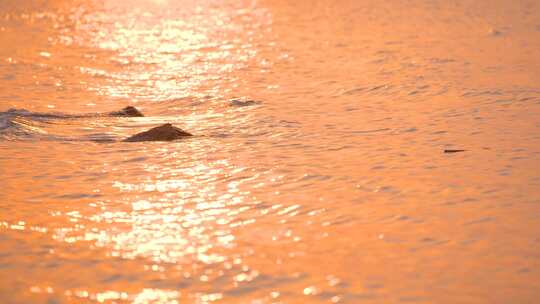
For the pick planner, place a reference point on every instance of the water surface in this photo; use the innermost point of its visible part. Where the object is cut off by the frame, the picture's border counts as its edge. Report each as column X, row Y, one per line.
column 331, row 187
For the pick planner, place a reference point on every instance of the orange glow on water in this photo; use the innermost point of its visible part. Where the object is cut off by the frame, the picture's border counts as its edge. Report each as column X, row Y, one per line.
column 316, row 173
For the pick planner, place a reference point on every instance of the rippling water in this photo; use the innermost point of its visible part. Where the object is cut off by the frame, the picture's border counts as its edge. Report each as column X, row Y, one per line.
column 317, row 172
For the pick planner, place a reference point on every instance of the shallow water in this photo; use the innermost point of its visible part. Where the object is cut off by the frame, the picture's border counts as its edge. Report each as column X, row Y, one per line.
column 332, row 187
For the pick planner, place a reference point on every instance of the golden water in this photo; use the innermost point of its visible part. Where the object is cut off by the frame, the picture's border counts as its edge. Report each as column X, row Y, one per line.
column 333, row 188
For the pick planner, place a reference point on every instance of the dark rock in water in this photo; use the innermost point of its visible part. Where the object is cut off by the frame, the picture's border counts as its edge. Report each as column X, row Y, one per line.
column 128, row 111
column 166, row 132
column 453, row 150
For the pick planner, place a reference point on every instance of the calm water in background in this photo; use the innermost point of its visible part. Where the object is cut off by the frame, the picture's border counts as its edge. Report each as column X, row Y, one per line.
column 333, row 188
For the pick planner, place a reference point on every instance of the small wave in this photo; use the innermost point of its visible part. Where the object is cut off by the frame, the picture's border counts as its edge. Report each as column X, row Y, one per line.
column 18, row 126
column 23, row 124
column 26, row 113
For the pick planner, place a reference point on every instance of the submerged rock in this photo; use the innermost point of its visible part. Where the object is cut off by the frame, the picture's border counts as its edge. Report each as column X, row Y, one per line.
column 166, row 132
column 128, row 111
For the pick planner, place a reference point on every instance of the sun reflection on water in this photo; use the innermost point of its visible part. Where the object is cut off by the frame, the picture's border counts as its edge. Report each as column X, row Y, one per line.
column 175, row 214
column 167, row 51
column 185, row 224
column 176, row 210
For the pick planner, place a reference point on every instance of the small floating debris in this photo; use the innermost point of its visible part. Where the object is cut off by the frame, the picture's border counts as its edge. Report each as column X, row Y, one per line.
column 495, row 32
column 453, row 150
column 243, row 102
